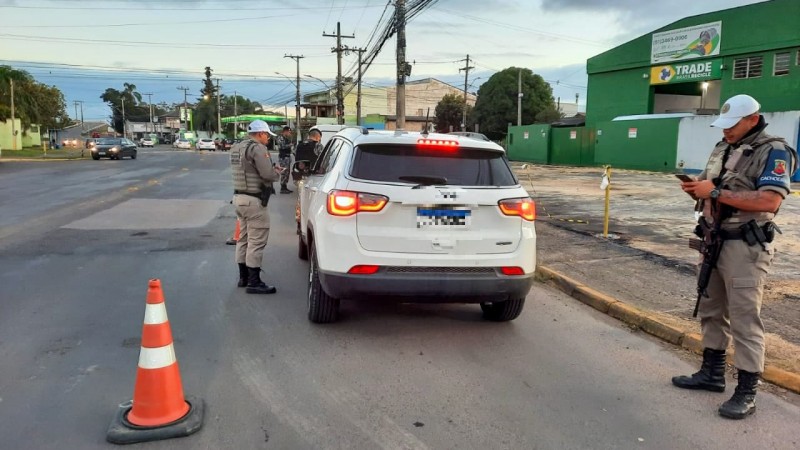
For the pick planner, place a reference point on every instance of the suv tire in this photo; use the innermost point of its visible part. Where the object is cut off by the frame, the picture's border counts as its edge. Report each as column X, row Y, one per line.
column 302, row 249
column 322, row 308
column 503, row 311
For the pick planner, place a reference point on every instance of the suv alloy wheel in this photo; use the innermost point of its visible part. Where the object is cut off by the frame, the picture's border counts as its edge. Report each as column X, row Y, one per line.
column 322, row 308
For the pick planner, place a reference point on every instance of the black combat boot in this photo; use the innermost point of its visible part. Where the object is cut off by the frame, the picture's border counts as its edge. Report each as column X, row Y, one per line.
column 711, row 376
column 243, row 275
column 743, row 402
column 285, row 189
column 254, row 283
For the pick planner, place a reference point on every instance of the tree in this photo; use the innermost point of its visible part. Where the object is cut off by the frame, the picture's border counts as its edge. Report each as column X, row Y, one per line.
column 549, row 115
column 205, row 112
column 496, row 106
column 34, row 102
column 135, row 109
column 449, row 113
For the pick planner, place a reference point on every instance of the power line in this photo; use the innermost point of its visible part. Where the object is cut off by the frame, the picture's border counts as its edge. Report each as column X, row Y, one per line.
column 189, row 23
column 20, row 37
column 150, row 8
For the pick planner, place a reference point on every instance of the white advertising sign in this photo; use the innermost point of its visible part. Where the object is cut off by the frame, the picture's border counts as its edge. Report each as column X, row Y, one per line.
column 698, row 41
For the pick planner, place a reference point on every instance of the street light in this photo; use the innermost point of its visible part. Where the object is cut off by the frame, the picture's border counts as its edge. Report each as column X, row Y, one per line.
column 284, row 76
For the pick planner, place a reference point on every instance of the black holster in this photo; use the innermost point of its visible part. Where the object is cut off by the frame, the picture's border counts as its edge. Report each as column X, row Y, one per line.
column 754, row 234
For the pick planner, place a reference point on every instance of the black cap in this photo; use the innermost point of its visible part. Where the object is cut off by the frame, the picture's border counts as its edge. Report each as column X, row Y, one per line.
column 287, row 128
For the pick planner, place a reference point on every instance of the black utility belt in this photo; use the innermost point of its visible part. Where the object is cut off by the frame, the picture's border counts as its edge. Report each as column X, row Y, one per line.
column 750, row 232
column 251, row 194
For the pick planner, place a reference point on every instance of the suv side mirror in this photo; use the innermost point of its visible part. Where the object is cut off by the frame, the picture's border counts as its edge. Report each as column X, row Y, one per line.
column 300, row 169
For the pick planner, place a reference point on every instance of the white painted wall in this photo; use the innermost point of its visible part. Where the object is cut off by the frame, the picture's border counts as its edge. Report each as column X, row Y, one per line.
column 696, row 137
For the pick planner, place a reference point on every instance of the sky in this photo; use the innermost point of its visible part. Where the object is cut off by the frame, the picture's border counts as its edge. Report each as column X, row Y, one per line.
column 84, row 46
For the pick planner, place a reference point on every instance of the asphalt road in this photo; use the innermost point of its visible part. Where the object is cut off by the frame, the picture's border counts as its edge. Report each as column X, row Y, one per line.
column 80, row 239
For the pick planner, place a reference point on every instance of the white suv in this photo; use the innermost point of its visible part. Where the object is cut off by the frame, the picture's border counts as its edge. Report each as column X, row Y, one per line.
column 413, row 218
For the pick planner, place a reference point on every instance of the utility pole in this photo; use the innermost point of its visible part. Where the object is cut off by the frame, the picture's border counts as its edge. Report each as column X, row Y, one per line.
column 519, row 98
column 219, row 110
column 297, row 59
column 402, row 66
column 185, row 106
column 235, row 115
column 466, row 70
column 360, row 51
column 338, row 50
column 124, row 132
column 13, row 123
column 150, row 104
column 75, row 103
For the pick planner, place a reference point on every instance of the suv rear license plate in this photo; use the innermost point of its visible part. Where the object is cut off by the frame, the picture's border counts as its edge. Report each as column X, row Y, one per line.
column 444, row 217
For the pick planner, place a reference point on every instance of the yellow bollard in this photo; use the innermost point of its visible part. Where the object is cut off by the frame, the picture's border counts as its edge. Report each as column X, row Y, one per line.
column 607, row 182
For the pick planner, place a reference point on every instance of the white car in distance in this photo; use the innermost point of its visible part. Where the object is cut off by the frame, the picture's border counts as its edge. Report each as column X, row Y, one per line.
column 206, row 144
column 412, row 217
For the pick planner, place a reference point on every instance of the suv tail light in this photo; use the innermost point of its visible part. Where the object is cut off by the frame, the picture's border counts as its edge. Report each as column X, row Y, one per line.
column 523, row 207
column 363, row 269
column 347, row 203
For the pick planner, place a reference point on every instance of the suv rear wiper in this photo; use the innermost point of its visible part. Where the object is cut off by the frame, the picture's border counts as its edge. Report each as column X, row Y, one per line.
column 423, row 180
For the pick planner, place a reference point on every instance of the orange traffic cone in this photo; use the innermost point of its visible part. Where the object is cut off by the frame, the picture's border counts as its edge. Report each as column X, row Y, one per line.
column 159, row 409
column 236, row 232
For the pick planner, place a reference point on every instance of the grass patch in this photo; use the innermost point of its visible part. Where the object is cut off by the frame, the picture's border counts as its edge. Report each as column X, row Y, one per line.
column 38, row 153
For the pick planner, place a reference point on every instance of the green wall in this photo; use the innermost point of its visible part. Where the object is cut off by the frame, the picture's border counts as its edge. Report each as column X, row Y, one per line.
column 654, row 148
column 533, row 149
column 572, row 146
column 614, row 94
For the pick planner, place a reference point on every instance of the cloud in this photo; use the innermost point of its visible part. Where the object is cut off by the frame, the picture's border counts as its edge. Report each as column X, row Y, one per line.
column 596, row 5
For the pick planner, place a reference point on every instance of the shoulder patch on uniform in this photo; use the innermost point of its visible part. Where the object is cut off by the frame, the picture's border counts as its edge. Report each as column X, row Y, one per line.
column 775, row 171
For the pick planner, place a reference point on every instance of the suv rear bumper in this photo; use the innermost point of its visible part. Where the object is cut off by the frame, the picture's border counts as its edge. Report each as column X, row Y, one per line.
column 422, row 287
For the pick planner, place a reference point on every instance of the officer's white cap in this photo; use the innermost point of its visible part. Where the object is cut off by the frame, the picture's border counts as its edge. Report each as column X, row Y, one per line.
column 735, row 109
column 258, row 126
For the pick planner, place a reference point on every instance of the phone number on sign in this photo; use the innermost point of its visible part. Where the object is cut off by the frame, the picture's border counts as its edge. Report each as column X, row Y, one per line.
column 670, row 39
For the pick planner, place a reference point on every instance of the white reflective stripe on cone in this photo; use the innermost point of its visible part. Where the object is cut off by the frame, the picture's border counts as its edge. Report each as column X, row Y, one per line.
column 156, row 358
column 155, row 313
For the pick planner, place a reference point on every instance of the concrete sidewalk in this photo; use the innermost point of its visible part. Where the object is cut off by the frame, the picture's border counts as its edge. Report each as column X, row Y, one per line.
column 644, row 272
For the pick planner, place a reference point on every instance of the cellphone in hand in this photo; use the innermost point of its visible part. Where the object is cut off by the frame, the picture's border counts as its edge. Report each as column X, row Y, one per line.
column 683, row 177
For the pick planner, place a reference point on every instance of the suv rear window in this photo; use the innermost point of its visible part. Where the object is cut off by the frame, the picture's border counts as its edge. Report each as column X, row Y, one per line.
column 462, row 167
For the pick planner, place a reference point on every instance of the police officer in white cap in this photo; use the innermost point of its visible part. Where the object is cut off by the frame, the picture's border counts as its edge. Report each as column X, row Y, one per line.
column 745, row 180
column 253, row 175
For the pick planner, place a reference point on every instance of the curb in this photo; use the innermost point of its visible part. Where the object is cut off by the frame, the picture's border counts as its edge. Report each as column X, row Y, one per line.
column 639, row 319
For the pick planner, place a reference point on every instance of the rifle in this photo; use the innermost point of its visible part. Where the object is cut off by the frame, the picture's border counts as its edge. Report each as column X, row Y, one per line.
column 266, row 191
column 710, row 246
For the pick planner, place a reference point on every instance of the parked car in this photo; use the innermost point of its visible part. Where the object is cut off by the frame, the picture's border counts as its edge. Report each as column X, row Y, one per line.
column 113, row 148
column 183, row 143
column 205, row 144
column 69, row 143
column 146, row 142
column 226, row 144
column 416, row 218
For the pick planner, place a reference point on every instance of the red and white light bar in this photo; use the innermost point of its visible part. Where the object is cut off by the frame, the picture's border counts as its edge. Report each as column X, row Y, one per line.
column 439, row 143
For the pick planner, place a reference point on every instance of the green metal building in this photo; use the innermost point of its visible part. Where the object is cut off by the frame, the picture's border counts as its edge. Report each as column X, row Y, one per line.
column 689, row 67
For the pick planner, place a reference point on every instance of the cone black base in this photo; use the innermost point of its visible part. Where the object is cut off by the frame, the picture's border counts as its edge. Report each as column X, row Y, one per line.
column 120, row 431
